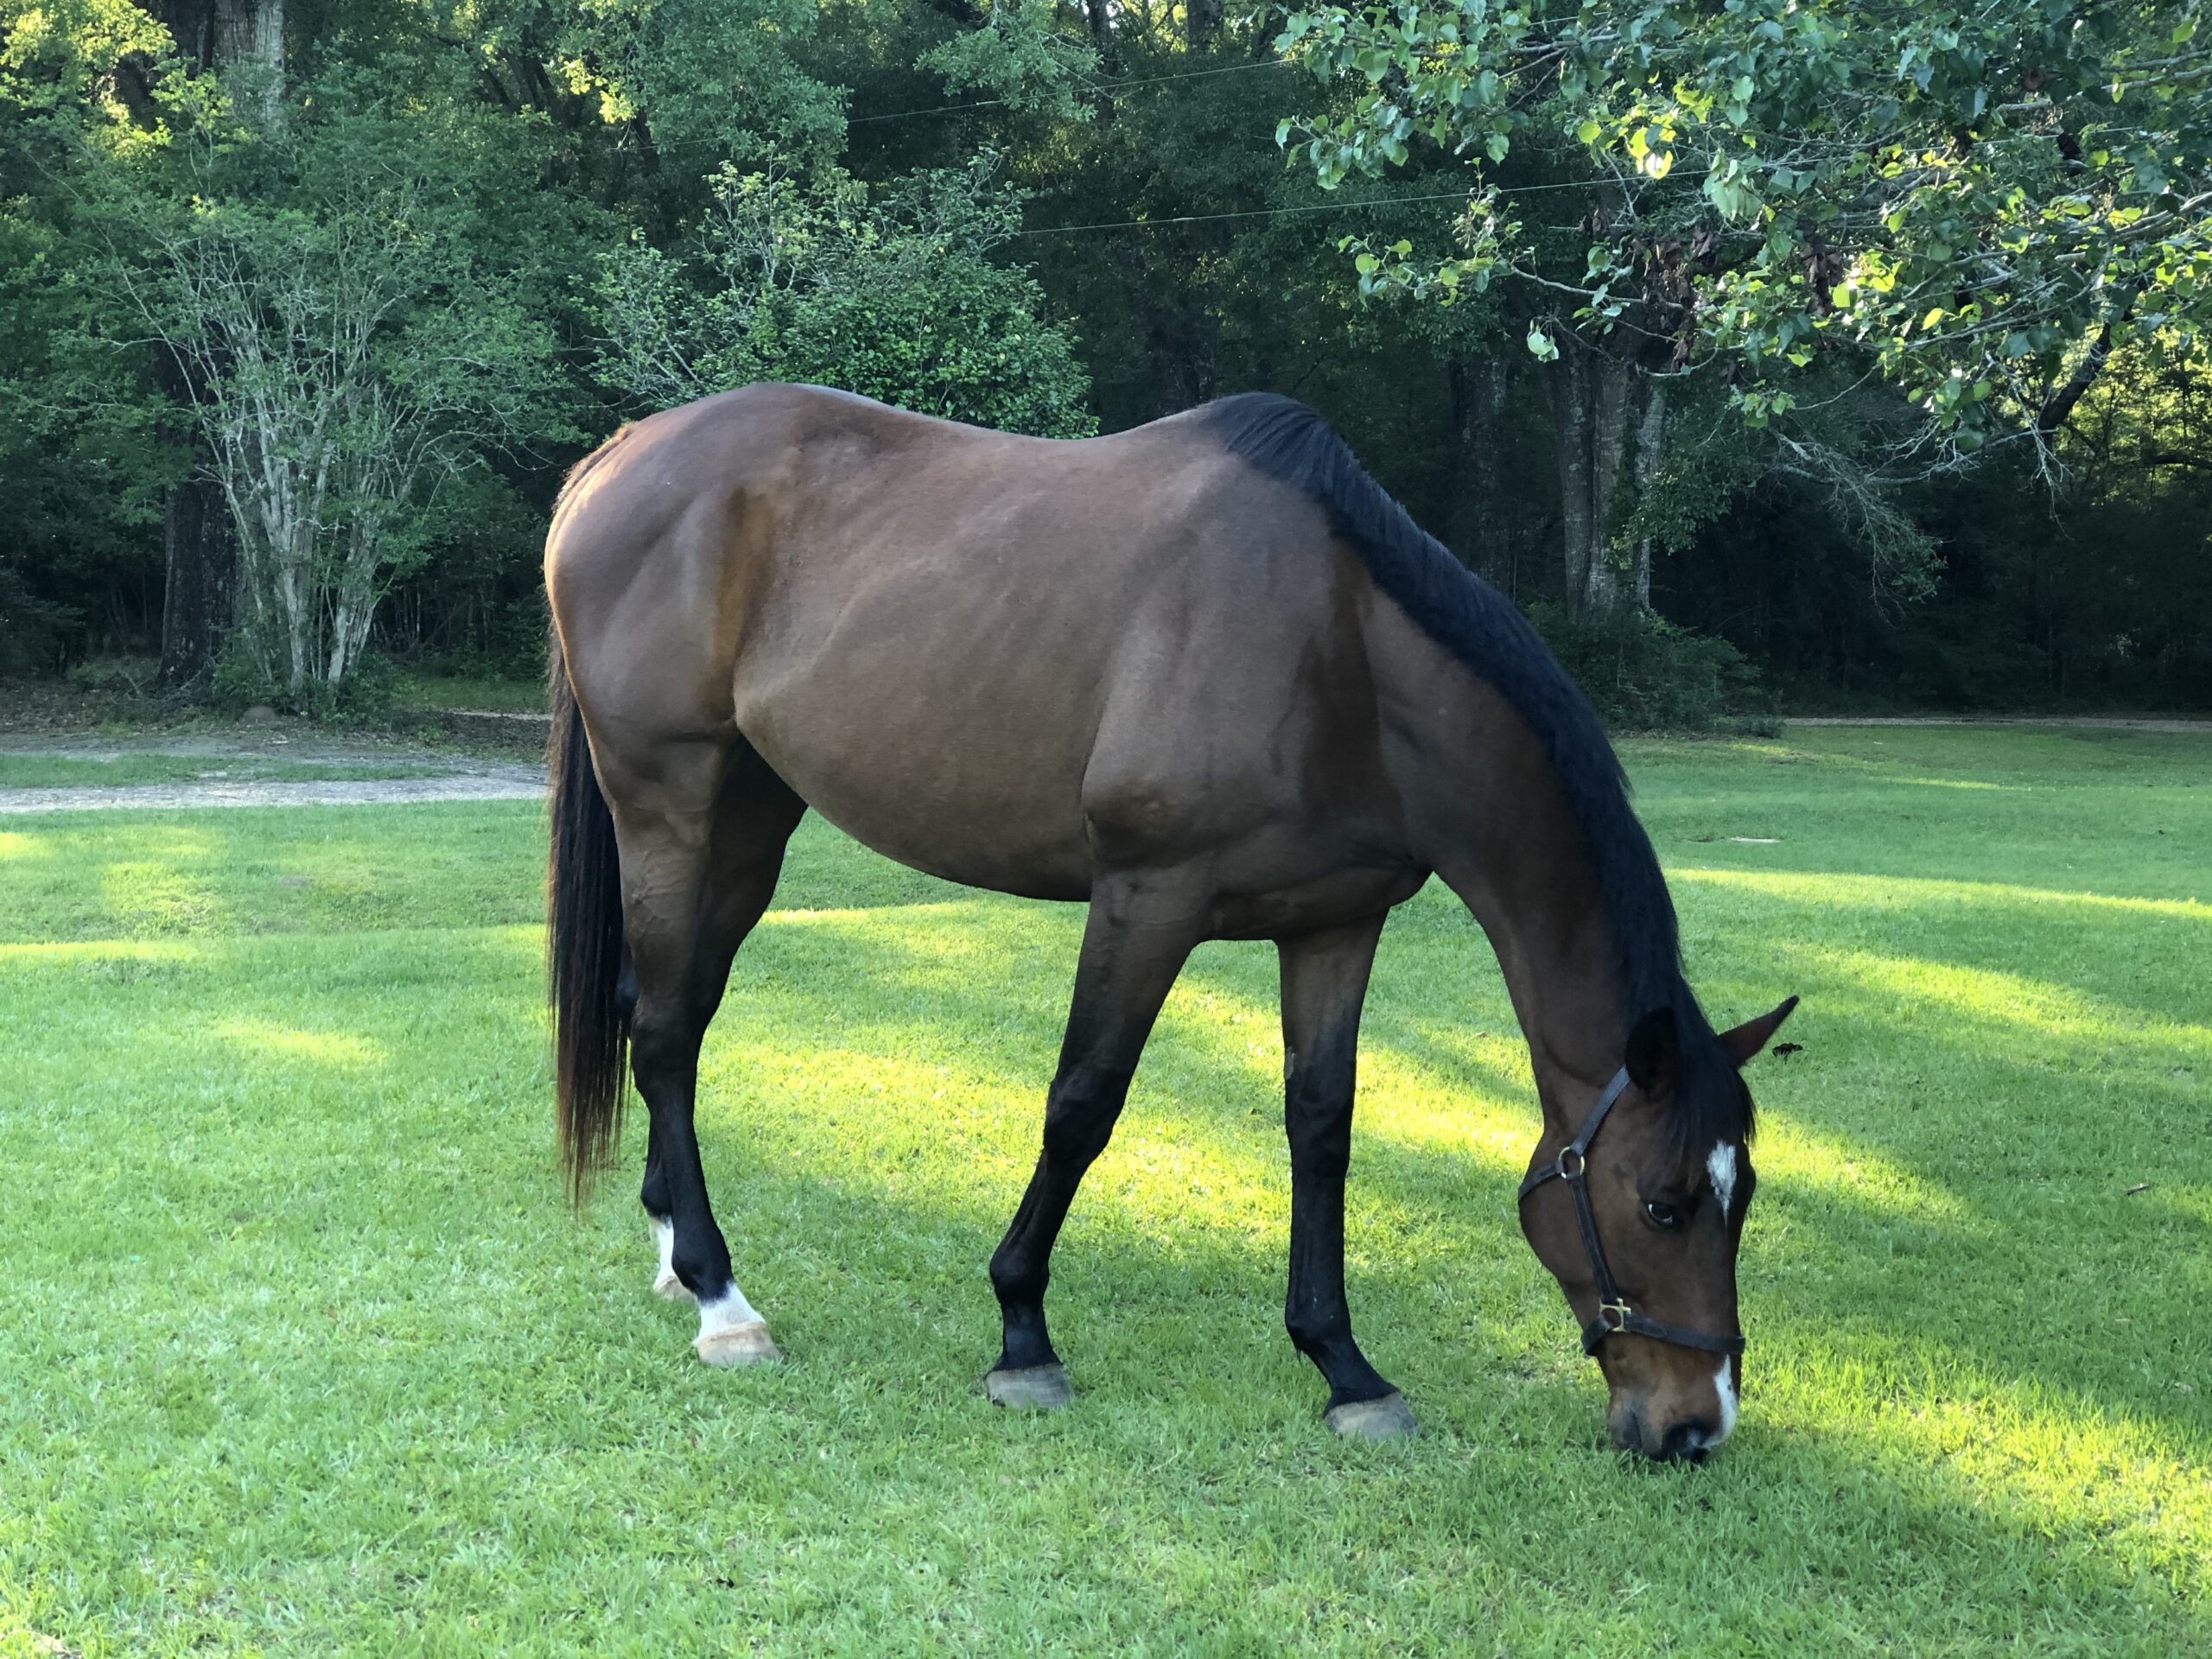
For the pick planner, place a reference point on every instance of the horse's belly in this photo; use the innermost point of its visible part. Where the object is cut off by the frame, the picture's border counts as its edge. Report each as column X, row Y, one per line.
column 987, row 792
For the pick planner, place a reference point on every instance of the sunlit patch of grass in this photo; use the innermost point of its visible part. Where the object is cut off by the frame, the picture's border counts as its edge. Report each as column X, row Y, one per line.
column 156, row 897
column 1862, row 893
column 1918, row 988
column 1813, row 1160
column 321, row 1047
column 300, row 1351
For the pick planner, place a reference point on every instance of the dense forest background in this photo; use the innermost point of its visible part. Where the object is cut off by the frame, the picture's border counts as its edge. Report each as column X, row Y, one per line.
column 1862, row 372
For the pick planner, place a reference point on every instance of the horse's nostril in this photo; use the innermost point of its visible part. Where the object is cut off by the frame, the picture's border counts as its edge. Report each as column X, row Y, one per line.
column 1685, row 1440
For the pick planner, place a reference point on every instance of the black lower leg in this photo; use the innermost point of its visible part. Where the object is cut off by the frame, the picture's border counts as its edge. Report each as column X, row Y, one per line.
column 668, row 1068
column 654, row 1193
column 1140, row 928
column 1315, row 1312
column 1079, row 1120
column 1324, row 982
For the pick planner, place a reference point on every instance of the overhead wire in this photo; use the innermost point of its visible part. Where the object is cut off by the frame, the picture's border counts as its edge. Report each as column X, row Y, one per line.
column 1315, row 207
column 1109, row 87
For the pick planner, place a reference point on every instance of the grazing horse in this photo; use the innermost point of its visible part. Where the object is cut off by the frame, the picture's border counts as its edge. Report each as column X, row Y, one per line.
column 1204, row 674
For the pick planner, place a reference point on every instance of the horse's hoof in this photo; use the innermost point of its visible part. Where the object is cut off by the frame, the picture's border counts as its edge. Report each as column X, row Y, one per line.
column 1040, row 1388
column 1388, row 1418
column 738, row 1344
column 672, row 1288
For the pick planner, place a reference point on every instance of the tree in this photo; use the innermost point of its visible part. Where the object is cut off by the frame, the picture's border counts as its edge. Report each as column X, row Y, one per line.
column 1985, row 198
column 892, row 294
column 350, row 316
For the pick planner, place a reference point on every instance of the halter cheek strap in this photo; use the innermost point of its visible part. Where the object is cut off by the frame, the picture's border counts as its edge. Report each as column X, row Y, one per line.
column 1572, row 1167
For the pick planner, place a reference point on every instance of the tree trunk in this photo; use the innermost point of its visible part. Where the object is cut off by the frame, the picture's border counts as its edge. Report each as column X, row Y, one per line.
column 1478, row 385
column 192, row 24
column 200, row 562
column 202, row 558
column 249, row 39
column 1650, row 456
column 1182, row 338
column 1589, row 398
column 1098, row 16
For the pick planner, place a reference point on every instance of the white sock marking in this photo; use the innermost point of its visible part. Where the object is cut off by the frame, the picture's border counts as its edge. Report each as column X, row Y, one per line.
column 1724, row 1383
column 726, row 1312
column 664, row 1234
column 1720, row 1165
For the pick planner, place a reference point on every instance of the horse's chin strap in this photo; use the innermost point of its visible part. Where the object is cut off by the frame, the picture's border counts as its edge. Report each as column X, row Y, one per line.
column 1573, row 1166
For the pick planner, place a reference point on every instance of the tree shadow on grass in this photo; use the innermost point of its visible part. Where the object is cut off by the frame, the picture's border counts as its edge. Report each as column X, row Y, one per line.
column 1205, row 1112
column 1171, row 1338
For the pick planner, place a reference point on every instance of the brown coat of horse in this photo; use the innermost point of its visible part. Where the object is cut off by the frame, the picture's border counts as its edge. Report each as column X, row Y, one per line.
column 1203, row 675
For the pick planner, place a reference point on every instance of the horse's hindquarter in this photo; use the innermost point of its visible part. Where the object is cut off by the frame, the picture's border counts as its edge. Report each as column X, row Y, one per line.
column 1012, row 662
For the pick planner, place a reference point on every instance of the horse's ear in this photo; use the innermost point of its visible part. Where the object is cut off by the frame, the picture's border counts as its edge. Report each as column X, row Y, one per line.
column 1655, row 1050
column 1748, row 1038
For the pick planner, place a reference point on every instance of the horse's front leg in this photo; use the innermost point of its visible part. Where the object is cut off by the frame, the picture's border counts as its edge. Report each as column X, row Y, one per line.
column 1323, row 985
column 1140, row 932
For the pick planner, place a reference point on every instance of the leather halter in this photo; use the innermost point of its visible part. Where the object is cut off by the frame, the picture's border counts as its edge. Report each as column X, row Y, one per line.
column 1571, row 1166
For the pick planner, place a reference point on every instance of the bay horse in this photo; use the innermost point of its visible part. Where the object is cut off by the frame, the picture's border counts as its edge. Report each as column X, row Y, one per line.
column 1203, row 675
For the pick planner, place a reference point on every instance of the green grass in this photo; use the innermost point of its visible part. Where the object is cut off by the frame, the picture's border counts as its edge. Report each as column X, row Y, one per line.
column 61, row 771
column 299, row 1352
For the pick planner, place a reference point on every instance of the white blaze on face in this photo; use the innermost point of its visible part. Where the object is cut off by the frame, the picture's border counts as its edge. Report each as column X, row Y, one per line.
column 1724, row 1383
column 1720, row 1165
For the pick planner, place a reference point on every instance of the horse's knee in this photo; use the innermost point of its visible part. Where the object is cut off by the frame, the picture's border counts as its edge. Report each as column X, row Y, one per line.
column 1079, row 1115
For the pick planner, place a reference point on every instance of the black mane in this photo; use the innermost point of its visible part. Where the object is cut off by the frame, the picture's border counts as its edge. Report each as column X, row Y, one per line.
column 1485, row 630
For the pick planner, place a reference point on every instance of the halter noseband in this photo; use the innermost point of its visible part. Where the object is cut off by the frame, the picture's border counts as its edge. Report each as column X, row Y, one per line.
column 1571, row 1166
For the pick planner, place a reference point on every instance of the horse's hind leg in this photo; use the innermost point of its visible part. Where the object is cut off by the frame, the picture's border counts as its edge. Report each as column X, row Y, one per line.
column 703, row 830
column 1140, row 932
column 1323, row 985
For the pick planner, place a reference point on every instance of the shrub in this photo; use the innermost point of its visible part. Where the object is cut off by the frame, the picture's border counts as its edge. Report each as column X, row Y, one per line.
column 1643, row 672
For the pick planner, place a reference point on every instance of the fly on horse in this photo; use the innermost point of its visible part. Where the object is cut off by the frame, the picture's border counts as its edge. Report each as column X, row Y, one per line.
column 1203, row 675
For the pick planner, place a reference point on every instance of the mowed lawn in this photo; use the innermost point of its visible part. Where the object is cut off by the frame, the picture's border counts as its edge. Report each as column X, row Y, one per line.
column 300, row 1352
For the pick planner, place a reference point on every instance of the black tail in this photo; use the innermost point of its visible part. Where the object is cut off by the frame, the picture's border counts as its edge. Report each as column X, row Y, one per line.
column 583, row 947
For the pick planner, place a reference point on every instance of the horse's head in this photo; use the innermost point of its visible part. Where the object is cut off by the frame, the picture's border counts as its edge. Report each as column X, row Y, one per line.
column 1636, row 1204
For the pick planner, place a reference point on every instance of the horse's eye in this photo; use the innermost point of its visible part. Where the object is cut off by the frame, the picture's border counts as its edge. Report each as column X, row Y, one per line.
column 1662, row 1215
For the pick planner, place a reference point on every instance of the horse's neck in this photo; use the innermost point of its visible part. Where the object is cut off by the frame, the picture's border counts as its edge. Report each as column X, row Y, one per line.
column 1503, row 842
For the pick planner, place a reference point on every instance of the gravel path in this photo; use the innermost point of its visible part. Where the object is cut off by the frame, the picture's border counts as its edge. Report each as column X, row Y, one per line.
column 431, row 773
column 479, row 784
